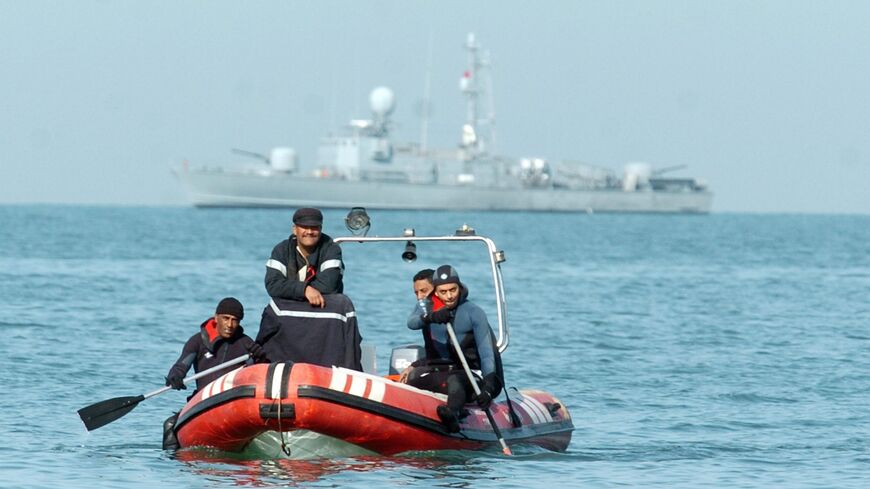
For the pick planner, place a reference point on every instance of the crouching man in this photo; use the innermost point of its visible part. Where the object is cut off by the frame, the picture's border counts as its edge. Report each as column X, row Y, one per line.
column 476, row 340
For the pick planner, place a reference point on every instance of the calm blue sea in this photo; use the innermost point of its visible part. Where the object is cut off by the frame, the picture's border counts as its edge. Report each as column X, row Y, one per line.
column 692, row 351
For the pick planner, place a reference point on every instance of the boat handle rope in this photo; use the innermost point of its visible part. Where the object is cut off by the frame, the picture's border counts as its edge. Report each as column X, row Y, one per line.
column 284, row 447
column 515, row 420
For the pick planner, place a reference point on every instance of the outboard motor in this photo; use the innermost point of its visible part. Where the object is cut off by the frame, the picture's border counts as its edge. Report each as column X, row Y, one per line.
column 403, row 356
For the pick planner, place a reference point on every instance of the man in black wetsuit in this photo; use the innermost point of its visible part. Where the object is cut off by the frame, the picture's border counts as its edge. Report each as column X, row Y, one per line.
column 475, row 338
column 219, row 340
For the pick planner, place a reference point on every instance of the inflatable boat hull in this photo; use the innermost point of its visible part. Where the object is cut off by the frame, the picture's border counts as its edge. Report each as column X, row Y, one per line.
column 372, row 412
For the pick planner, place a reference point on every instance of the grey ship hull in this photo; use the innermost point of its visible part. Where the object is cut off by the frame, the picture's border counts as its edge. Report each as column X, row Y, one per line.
column 210, row 188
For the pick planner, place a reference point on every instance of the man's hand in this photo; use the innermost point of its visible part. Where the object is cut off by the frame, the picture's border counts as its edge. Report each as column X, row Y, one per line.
column 314, row 297
column 175, row 381
column 440, row 316
column 484, row 399
column 257, row 353
column 488, row 386
column 403, row 378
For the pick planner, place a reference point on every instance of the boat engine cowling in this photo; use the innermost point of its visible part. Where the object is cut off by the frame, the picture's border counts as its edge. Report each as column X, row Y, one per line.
column 403, row 356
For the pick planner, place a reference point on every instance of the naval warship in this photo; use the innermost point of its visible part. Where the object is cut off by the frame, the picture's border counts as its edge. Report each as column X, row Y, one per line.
column 364, row 167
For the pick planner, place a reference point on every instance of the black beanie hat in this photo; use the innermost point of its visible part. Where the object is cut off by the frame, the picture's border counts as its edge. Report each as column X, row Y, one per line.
column 231, row 306
column 445, row 275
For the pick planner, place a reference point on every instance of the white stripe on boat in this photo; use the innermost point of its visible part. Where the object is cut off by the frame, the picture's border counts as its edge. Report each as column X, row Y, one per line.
column 543, row 409
column 357, row 386
column 531, row 412
column 227, row 384
column 379, row 385
column 276, row 380
column 220, row 384
column 339, row 379
column 377, row 391
column 206, row 393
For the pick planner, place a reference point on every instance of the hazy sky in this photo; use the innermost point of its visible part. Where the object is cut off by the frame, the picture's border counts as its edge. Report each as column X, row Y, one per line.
column 769, row 101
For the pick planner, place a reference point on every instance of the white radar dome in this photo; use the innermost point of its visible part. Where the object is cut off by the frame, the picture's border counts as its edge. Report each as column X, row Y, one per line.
column 382, row 100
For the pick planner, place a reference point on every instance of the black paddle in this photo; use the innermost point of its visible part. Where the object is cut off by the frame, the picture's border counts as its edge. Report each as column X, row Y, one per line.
column 473, row 381
column 104, row 412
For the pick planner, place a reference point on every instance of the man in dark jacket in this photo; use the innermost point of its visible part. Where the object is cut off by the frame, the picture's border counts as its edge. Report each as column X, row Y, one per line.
column 476, row 341
column 220, row 339
column 304, row 272
column 307, row 265
column 290, row 331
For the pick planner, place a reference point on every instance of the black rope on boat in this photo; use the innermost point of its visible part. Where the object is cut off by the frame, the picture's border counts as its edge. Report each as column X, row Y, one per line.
column 515, row 420
column 284, row 447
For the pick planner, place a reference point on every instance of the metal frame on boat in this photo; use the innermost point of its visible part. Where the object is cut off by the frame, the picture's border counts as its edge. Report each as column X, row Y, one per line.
column 496, row 257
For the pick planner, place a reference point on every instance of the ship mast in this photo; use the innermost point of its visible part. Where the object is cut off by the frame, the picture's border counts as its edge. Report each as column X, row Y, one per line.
column 469, row 84
column 427, row 93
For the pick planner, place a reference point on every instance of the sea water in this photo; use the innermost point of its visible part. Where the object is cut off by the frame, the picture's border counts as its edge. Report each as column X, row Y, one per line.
column 718, row 350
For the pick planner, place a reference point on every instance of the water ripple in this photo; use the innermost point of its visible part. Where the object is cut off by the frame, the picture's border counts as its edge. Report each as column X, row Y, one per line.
column 692, row 351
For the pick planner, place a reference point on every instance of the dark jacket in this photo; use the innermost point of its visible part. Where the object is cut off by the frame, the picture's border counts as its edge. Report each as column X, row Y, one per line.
column 207, row 349
column 294, row 331
column 324, row 269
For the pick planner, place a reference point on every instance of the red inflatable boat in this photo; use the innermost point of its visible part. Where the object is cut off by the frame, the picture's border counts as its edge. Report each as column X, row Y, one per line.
column 362, row 409
column 372, row 412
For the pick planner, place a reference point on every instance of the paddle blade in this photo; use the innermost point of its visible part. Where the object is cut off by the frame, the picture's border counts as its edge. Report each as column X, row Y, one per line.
column 104, row 412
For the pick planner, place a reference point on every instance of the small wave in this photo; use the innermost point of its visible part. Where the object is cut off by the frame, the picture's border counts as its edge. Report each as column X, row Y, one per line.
column 751, row 397
column 699, row 427
column 612, row 346
column 660, row 452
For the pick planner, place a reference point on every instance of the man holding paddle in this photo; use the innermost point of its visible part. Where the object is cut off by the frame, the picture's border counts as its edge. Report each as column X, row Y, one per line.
column 476, row 341
column 220, row 338
column 218, row 348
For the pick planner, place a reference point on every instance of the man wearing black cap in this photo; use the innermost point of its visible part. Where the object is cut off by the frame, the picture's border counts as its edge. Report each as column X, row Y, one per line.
column 220, row 339
column 304, row 271
column 476, row 341
column 306, row 265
